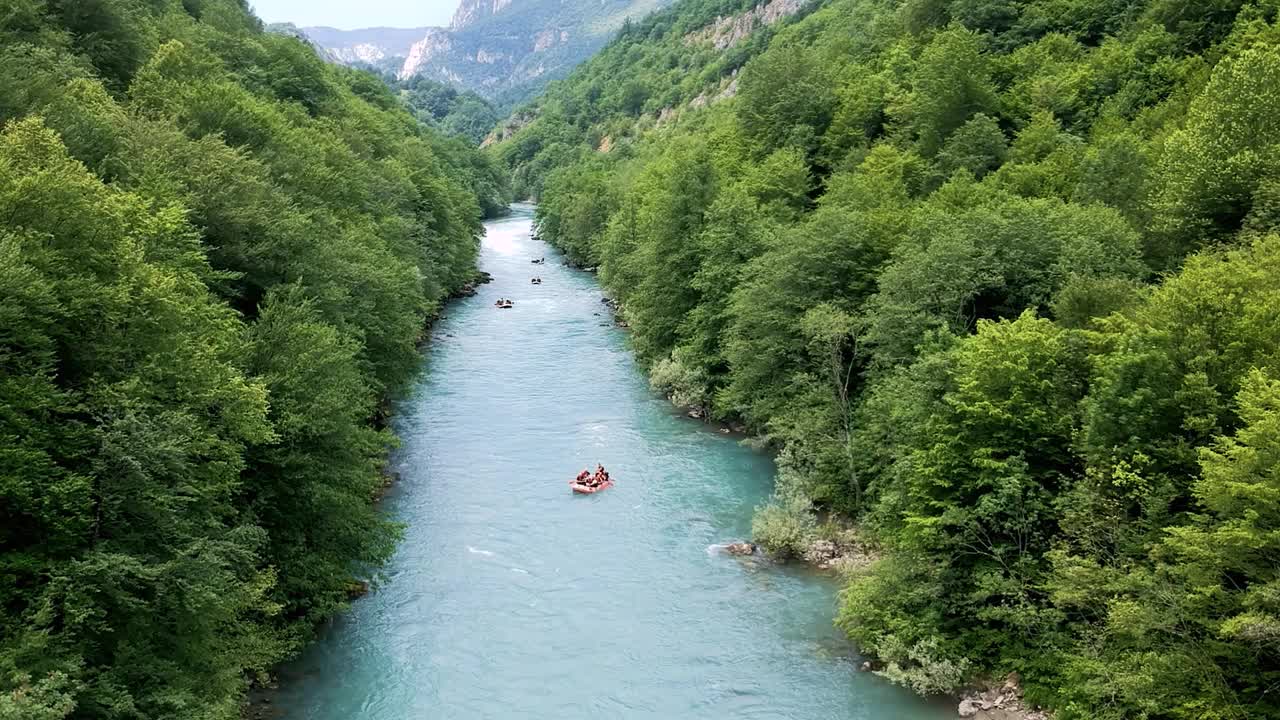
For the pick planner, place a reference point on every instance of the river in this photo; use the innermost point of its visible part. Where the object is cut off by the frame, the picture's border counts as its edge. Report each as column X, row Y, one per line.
column 510, row 597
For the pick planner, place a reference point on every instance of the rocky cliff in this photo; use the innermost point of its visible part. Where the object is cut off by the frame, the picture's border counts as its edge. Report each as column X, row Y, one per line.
column 368, row 46
column 504, row 50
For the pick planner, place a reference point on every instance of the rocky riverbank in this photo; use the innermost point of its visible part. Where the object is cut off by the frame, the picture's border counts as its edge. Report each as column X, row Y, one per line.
column 841, row 549
column 999, row 701
column 469, row 288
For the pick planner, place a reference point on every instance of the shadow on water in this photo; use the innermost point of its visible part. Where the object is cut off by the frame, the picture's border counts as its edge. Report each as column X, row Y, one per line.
column 511, row 597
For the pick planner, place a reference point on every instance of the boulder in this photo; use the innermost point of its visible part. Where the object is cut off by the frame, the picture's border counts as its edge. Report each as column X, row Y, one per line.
column 999, row 702
column 357, row 588
column 740, row 548
column 821, row 553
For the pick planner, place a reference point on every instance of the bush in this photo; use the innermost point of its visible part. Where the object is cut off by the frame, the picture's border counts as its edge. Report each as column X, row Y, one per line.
column 785, row 525
column 921, row 667
column 686, row 386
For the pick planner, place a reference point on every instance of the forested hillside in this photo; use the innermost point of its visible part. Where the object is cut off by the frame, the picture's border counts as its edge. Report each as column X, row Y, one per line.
column 445, row 108
column 1001, row 282
column 217, row 258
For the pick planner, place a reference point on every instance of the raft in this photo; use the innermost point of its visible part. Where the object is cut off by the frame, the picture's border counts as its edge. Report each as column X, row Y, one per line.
column 588, row 489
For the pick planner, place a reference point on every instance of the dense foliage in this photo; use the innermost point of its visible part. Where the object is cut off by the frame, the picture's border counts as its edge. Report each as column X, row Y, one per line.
column 218, row 255
column 999, row 280
column 446, row 108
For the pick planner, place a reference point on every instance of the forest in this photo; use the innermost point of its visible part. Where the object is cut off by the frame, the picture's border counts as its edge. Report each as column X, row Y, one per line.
column 452, row 111
column 999, row 281
column 218, row 258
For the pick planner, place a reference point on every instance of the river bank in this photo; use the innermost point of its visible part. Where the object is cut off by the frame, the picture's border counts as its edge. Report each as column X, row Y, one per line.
column 787, row 529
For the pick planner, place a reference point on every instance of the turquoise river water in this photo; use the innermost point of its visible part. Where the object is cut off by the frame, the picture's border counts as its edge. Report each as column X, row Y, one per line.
column 510, row 597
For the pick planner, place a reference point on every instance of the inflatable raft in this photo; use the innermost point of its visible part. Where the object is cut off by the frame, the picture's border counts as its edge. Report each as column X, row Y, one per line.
column 588, row 489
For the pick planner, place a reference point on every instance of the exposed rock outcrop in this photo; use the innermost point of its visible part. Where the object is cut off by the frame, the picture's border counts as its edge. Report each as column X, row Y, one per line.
column 549, row 38
column 726, row 32
column 471, row 11
column 489, row 58
column 728, row 88
column 509, row 127
column 999, row 701
column 435, row 44
column 493, row 47
column 839, row 549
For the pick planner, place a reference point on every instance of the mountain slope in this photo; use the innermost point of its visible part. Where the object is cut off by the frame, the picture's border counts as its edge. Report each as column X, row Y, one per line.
column 504, row 50
column 218, row 257
column 998, row 280
column 676, row 61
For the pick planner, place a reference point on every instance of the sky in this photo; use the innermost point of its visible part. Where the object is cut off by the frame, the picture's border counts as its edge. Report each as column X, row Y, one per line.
column 352, row 14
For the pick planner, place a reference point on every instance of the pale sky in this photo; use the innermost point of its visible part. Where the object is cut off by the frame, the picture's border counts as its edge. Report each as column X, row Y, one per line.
column 352, row 14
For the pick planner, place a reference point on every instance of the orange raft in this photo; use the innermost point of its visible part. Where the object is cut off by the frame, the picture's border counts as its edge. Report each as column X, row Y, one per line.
column 588, row 489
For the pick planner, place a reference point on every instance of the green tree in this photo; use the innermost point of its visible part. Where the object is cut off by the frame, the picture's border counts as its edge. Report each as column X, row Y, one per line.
column 979, row 146
column 950, row 84
column 785, row 100
column 1211, row 168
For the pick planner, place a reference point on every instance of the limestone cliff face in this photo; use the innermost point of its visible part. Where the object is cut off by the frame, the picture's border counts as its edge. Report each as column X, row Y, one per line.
column 436, row 43
column 370, row 46
column 471, row 11
column 504, row 50
column 729, row 31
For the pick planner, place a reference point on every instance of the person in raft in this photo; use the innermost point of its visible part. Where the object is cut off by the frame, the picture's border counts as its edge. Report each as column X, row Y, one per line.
column 583, row 476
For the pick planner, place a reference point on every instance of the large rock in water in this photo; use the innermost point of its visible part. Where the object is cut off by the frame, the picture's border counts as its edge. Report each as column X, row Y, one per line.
column 740, row 548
